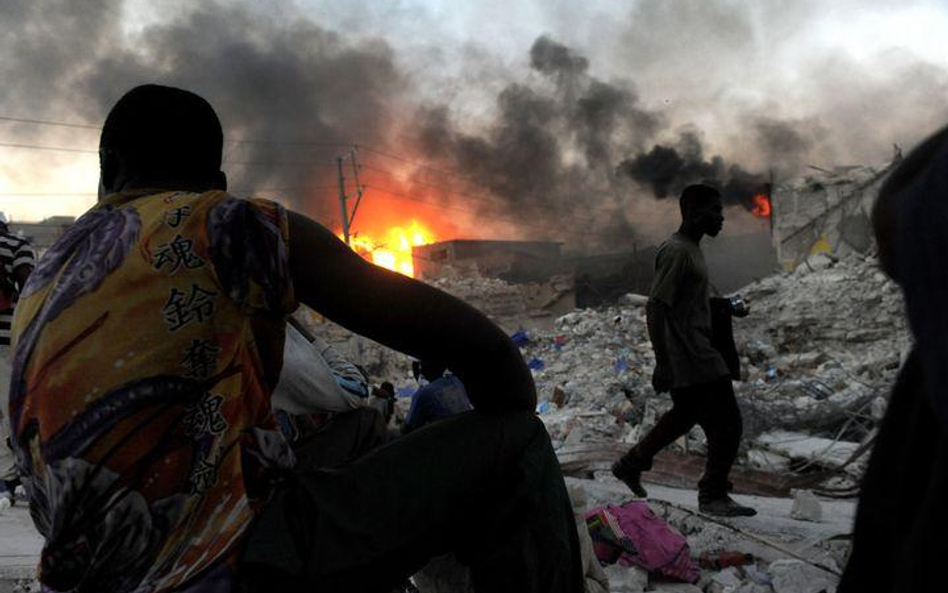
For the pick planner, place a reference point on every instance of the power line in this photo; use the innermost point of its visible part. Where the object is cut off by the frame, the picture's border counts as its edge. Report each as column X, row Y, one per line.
column 236, row 140
column 38, row 147
column 45, row 194
column 484, row 198
column 236, row 163
column 239, row 140
column 289, row 142
column 277, row 164
column 415, row 163
column 49, row 123
column 232, row 191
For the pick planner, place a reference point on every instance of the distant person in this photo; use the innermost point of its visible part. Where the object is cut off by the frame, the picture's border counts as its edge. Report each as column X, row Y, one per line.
column 686, row 362
column 442, row 397
column 382, row 399
column 901, row 520
column 148, row 343
column 16, row 262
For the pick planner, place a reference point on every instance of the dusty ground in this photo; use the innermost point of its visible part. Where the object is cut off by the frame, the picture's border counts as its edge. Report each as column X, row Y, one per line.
column 20, row 543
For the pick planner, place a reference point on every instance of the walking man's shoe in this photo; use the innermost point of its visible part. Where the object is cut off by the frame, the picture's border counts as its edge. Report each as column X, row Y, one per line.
column 725, row 507
column 630, row 477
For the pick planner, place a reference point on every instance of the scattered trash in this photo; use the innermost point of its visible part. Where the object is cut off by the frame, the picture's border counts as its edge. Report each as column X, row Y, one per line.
column 725, row 581
column 632, row 534
column 817, row 390
column 536, row 364
column 559, row 397
column 521, row 339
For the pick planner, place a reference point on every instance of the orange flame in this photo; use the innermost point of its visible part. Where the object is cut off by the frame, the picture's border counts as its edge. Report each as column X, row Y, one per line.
column 761, row 206
column 392, row 250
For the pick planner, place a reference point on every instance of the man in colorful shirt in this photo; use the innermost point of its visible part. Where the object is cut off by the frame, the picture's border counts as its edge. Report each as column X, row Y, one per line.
column 147, row 344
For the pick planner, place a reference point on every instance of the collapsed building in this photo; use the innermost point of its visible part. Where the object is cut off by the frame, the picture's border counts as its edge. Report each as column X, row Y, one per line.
column 826, row 211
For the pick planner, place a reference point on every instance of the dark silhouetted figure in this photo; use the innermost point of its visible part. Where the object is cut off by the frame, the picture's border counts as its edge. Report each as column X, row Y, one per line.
column 902, row 518
column 686, row 361
column 149, row 340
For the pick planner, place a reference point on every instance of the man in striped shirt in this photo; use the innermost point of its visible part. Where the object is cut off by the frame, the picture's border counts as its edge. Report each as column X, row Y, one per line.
column 16, row 263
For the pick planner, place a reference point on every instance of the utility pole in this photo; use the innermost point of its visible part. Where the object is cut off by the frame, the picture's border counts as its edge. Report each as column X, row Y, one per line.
column 342, row 201
column 347, row 217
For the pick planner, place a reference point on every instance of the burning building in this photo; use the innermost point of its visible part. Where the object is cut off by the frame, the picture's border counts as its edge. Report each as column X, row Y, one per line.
column 514, row 261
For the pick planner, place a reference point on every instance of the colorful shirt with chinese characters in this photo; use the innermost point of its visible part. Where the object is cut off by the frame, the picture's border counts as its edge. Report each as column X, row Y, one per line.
column 147, row 343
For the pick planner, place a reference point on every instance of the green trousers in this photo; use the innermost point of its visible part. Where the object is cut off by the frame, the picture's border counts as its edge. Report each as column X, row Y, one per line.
column 486, row 487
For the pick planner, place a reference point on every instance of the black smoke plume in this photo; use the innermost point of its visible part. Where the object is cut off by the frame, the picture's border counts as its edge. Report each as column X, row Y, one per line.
column 666, row 170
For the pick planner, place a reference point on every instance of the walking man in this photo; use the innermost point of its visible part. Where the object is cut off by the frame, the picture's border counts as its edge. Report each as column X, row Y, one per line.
column 686, row 363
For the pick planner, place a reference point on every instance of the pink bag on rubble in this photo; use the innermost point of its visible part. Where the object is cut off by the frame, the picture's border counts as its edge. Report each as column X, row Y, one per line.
column 633, row 534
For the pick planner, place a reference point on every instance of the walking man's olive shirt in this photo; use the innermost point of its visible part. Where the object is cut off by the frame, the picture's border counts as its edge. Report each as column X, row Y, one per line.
column 681, row 283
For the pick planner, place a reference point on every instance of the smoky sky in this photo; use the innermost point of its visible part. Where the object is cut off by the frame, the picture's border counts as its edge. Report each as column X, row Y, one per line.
column 296, row 94
column 571, row 137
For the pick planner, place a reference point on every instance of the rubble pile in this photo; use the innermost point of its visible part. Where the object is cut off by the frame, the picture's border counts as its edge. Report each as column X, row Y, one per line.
column 769, row 553
column 833, row 331
column 820, row 350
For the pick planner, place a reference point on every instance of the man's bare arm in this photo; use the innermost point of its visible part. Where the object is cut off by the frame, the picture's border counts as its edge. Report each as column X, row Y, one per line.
column 409, row 316
column 656, row 313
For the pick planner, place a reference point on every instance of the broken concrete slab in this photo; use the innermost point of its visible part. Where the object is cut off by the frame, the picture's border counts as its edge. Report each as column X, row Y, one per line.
column 676, row 588
column 754, row 588
column 806, row 507
column 794, row 576
column 20, row 547
column 804, row 447
column 626, row 579
column 725, row 581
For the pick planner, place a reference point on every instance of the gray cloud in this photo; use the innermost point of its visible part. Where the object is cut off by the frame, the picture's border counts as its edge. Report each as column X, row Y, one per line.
column 269, row 80
column 581, row 134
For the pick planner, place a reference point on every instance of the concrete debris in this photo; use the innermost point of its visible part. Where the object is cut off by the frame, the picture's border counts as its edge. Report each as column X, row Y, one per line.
column 826, row 211
column 676, row 588
column 806, row 507
column 805, row 448
column 754, row 588
column 725, row 581
column 626, row 579
column 820, row 349
column 793, row 576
